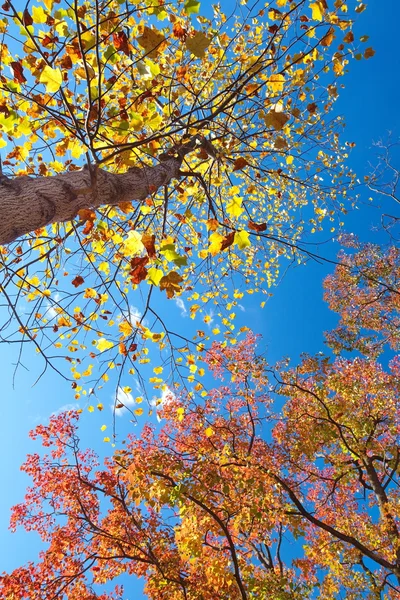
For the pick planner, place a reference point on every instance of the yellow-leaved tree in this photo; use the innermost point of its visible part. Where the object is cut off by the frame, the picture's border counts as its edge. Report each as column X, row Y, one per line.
column 161, row 149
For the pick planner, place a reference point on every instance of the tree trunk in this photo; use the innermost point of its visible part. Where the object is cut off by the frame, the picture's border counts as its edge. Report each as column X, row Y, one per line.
column 28, row 203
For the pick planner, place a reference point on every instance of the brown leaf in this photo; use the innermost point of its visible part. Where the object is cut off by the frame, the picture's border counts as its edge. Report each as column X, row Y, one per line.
column 26, row 18
column 257, row 226
column 240, row 163
column 66, row 62
column 148, row 240
column 152, row 41
column 170, row 283
column 139, row 271
column 228, row 241
column 18, row 72
column 77, row 281
column 349, row 37
column 280, row 143
column 276, row 119
column 369, row 53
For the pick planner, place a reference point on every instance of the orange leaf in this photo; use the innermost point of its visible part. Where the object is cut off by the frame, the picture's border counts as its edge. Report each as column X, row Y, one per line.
column 148, row 240
column 85, row 214
column 120, row 41
column 257, row 226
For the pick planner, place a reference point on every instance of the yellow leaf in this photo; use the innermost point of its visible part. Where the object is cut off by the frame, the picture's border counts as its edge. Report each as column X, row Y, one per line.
column 154, row 276
column 138, row 411
column 198, row 44
column 158, row 370
column 289, row 160
column 234, row 207
column 125, row 328
column 52, row 78
column 38, row 14
column 99, row 406
column 76, row 148
column 106, row 439
column 103, row 427
column 216, row 240
column 90, row 408
column 103, row 344
column 181, row 413
column 104, row 267
column 90, row 293
column 209, row 431
column 317, row 10
column 242, row 239
column 133, row 245
column 275, row 82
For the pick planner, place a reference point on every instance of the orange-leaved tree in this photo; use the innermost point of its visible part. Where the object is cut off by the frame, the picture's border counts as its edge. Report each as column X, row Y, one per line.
column 153, row 149
column 281, row 483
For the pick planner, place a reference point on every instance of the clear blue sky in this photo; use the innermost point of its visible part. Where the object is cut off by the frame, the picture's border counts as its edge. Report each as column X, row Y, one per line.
column 293, row 320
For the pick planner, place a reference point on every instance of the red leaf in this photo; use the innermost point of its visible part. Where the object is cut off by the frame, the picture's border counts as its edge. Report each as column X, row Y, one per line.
column 18, row 72
column 47, row 40
column 139, row 271
column 77, row 281
column 26, row 18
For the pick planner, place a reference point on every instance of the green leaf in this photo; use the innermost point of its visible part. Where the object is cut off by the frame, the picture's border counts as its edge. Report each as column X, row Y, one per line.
column 192, row 7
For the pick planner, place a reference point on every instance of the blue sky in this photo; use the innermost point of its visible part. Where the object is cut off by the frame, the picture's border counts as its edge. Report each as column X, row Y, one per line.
column 293, row 320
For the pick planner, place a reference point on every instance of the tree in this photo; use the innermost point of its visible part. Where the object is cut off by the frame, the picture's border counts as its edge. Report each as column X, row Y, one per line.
column 281, row 483
column 365, row 291
column 160, row 148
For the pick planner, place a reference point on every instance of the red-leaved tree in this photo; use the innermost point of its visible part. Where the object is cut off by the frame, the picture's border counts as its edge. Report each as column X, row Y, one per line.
column 282, row 483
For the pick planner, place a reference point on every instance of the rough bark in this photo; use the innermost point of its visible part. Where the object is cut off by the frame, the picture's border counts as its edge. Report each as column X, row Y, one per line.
column 28, row 203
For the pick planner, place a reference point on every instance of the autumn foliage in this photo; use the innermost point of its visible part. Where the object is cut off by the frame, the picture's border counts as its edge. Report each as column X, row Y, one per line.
column 281, row 483
column 234, row 112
